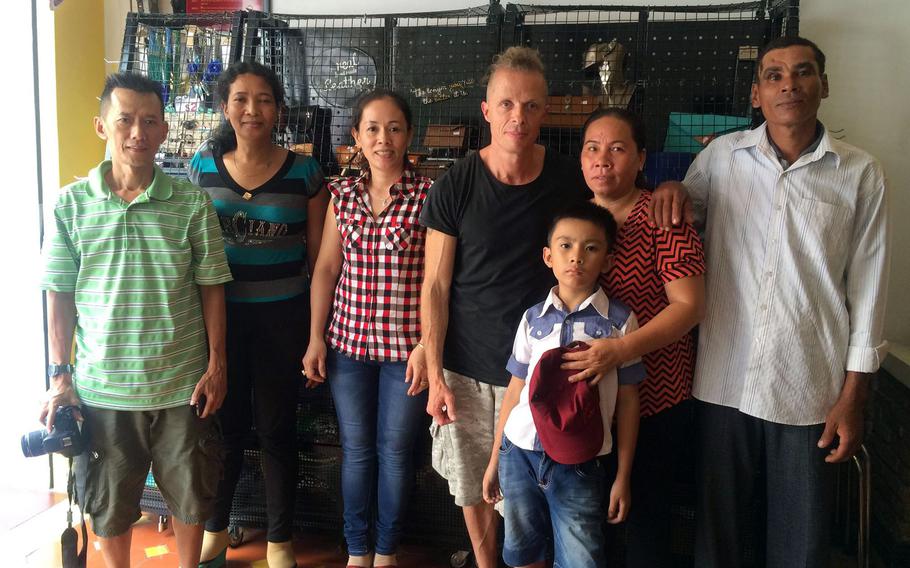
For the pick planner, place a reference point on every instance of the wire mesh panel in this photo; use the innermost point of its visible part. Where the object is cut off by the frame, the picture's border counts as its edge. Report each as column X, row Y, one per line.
column 435, row 60
column 686, row 70
column 325, row 64
column 439, row 61
column 185, row 54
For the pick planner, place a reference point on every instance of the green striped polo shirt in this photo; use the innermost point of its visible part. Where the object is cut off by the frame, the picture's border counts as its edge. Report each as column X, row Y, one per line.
column 135, row 270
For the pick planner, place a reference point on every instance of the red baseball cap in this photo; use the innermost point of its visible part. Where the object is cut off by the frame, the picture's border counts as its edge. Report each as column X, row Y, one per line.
column 566, row 415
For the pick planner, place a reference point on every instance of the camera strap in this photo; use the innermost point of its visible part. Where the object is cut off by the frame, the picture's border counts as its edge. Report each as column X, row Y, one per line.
column 69, row 540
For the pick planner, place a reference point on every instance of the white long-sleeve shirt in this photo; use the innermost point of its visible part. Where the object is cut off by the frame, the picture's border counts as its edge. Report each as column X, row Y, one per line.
column 798, row 263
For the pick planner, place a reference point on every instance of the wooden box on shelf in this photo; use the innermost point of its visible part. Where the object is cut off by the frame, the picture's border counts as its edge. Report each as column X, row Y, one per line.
column 432, row 169
column 570, row 110
column 446, row 136
column 304, row 149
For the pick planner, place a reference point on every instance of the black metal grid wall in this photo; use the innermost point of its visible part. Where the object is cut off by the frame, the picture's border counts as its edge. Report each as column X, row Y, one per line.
column 435, row 60
column 687, row 70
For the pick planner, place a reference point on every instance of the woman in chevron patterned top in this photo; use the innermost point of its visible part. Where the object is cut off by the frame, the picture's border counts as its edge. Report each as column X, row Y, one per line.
column 660, row 276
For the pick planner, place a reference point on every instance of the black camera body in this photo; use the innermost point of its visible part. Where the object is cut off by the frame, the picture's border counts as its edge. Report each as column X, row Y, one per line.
column 65, row 439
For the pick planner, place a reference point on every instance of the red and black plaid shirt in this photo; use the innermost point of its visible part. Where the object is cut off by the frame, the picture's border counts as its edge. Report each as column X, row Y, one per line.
column 644, row 260
column 376, row 311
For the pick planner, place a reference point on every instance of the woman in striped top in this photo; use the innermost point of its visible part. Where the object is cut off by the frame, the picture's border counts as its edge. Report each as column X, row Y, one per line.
column 271, row 205
column 659, row 275
column 368, row 277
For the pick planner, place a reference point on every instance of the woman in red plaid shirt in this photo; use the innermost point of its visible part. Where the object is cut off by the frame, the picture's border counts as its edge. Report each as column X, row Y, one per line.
column 369, row 271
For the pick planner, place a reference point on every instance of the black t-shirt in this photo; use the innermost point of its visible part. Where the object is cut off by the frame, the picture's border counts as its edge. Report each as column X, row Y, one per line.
column 499, row 270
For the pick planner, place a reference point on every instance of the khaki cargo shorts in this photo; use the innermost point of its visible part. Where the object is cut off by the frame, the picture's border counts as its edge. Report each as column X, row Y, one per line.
column 184, row 452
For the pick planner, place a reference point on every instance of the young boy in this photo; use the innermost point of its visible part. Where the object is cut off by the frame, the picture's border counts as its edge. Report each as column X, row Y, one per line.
column 544, row 460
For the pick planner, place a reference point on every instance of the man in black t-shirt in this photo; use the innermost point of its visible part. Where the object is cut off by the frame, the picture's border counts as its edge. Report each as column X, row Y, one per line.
column 487, row 219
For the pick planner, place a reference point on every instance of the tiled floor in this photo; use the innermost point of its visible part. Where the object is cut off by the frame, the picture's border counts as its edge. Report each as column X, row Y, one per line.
column 32, row 518
column 31, row 523
column 34, row 542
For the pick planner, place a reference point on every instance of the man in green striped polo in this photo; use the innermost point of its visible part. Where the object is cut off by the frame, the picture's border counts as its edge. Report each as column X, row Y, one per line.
column 135, row 269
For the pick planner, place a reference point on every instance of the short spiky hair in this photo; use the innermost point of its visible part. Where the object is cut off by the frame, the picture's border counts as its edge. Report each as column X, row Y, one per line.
column 789, row 41
column 133, row 82
column 516, row 58
column 590, row 212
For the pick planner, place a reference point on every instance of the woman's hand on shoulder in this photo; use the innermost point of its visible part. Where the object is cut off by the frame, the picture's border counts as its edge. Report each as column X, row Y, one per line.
column 594, row 363
column 314, row 363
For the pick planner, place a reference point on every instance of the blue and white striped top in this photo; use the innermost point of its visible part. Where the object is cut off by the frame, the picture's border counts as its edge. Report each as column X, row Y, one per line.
column 264, row 236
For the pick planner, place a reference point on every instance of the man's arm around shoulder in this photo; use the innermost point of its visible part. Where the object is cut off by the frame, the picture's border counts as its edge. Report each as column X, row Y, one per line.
column 673, row 202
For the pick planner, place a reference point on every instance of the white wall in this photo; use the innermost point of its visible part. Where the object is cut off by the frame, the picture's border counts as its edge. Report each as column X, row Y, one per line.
column 22, row 331
column 866, row 45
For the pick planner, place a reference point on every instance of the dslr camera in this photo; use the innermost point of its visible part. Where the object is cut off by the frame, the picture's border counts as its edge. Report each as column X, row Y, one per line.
column 66, row 438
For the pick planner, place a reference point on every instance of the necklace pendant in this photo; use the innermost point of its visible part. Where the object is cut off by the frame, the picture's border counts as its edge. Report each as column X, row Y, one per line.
column 247, row 196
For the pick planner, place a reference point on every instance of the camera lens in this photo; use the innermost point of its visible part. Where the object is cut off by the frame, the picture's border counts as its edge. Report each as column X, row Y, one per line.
column 33, row 444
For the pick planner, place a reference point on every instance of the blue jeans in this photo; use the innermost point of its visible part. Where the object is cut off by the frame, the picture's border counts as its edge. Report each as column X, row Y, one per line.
column 539, row 493
column 378, row 424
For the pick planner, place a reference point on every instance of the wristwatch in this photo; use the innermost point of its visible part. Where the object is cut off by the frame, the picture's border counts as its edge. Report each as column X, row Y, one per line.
column 55, row 369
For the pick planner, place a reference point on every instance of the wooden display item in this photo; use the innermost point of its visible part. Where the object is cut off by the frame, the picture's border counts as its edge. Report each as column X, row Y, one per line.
column 454, row 136
column 570, row 110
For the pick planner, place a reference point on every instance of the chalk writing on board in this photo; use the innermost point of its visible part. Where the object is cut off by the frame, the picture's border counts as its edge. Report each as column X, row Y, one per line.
column 428, row 95
column 341, row 74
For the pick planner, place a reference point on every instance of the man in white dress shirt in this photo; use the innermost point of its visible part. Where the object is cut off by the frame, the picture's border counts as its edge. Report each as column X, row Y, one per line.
column 796, row 242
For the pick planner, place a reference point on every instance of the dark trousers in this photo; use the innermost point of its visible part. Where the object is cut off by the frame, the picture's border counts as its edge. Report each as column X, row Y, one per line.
column 744, row 461
column 265, row 344
column 664, row 441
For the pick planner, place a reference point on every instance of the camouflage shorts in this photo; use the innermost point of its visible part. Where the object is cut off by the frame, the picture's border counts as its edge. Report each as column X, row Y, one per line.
column 461, row 450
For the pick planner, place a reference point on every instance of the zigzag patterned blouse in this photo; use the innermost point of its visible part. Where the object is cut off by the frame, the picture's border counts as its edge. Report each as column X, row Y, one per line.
column 645, row 259
column 376, row 310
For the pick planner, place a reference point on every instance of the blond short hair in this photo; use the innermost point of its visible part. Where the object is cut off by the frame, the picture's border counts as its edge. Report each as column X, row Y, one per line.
column 516, row 58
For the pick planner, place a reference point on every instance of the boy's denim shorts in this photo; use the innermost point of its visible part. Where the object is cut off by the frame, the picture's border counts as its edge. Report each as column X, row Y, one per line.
column 184, row 452
column 539, row 493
